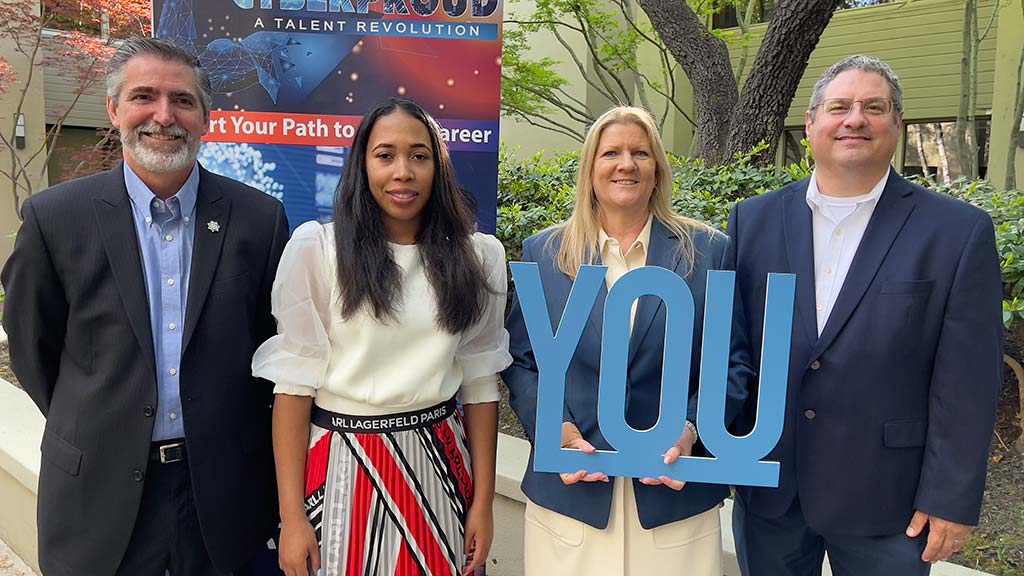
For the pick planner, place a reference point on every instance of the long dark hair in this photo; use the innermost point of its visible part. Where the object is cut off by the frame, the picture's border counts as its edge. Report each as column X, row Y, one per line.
column 367, row 272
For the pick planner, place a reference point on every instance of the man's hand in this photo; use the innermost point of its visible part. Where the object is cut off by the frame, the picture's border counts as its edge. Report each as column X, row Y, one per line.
column 945, row 538
column 571, row 438
column 683, row 447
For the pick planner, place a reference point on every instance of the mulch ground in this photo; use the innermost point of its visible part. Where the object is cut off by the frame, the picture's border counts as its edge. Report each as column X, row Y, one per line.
column 997, row 545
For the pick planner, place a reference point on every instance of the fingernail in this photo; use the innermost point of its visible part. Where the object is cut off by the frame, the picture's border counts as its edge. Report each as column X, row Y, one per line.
column 910, row 531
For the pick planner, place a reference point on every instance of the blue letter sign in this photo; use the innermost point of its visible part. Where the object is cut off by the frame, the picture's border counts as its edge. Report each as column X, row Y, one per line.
column 734, row 460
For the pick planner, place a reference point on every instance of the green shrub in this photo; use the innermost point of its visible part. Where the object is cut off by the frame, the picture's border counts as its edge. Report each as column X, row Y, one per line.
column 1007, row 211
column 534, row 193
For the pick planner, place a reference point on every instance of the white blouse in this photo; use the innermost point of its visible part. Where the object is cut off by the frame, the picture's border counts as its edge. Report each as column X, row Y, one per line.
column 362, row 366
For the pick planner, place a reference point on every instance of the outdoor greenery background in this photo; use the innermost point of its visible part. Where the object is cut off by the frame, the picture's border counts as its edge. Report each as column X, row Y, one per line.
column 537, row 192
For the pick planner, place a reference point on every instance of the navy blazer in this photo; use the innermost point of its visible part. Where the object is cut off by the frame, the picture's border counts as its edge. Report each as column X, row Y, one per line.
column 891, row 410
column 591, row 502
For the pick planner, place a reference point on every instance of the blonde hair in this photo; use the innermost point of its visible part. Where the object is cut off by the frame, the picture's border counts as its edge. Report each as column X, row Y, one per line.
column 579, row 233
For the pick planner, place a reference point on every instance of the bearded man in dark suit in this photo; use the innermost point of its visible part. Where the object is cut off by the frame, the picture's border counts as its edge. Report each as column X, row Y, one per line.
column 135, row 300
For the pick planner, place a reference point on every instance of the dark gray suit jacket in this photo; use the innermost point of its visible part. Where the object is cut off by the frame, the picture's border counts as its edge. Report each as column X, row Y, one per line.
column 81, row 345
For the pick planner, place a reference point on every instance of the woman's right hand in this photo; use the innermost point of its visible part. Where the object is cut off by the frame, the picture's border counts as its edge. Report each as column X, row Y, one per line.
column 298, row 548
column 571, row 438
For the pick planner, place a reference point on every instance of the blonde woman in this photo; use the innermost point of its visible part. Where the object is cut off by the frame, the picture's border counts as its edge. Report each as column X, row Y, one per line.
column 588, row 522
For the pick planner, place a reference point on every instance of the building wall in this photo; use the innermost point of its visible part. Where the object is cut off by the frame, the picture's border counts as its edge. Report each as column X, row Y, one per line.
column 521, row 137
column 35, row 134
column 90, row 108
column 921, row 41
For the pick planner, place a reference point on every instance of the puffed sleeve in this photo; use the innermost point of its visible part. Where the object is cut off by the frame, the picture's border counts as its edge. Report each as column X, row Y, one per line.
column 483, row 350
column 296, row 358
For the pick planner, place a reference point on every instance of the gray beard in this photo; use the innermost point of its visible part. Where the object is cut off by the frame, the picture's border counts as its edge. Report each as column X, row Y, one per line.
column 160, row 161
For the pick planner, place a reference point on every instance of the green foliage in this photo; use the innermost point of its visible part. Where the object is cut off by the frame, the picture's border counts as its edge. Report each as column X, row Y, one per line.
column 535, row 193
column 1007, row 211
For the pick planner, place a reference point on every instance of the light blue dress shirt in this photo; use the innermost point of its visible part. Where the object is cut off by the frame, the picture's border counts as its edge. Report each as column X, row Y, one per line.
column 165, row 230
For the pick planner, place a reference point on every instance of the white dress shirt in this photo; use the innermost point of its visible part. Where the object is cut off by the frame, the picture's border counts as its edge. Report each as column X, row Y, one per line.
column 838, row 226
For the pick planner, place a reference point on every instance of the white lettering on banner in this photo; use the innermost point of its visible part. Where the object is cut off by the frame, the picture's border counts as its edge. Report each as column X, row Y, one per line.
column 262, row 127
column 466, row 136
column 311, row 128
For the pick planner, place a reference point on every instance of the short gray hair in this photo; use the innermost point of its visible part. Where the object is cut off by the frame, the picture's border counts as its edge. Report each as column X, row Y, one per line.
column 864, row 64
column 163, row 49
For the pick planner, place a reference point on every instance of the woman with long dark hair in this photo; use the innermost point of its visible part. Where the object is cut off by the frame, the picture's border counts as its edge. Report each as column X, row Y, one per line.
column 385, row 316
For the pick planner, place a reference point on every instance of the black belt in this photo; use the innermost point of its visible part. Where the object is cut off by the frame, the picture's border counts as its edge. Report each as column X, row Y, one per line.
column 167, row 451
column 385, row 422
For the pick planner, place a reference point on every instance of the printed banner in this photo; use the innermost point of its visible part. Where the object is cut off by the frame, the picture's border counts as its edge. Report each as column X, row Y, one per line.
column 292, row 79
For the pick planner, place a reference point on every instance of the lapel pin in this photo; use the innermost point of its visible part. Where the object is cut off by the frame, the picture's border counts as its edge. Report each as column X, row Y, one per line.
column 213, row 226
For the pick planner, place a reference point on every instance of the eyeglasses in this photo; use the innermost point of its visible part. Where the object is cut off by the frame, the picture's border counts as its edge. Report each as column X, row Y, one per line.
column 841, row 107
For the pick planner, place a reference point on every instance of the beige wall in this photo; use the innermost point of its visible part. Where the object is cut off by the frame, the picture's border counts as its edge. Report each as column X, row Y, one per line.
column 527, row 138
column 35, row 125
column 676, row 132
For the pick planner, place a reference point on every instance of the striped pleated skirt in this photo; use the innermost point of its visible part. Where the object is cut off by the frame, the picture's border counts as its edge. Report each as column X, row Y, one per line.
column 388, row 495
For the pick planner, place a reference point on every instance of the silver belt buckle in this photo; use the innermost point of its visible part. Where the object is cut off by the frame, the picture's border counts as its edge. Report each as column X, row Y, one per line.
column 163, row 453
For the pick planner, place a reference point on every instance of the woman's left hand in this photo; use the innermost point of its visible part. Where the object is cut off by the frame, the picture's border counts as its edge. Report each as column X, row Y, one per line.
column 681, row 448
column 479, row 533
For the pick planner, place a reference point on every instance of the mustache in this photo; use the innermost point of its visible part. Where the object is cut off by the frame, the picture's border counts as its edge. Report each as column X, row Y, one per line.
column 158, row 130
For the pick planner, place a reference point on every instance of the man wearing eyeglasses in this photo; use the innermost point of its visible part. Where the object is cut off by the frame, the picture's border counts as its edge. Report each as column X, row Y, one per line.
column 896, row 361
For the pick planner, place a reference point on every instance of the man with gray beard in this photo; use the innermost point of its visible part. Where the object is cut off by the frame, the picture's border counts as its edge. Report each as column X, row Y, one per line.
column 135, row 301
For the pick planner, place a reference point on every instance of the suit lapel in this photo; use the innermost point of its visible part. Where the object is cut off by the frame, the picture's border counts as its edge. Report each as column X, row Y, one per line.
column 597, row 312
column 662, row 252
column 799, row 238
column 212, row 210
column 113, row 211
column 892, row 211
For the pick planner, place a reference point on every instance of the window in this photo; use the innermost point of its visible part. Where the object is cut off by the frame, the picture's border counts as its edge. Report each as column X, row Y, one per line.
column 793, row 149
column 931, row 150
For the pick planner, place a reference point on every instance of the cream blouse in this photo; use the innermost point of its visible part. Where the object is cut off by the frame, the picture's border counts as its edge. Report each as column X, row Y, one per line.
column 362, row 366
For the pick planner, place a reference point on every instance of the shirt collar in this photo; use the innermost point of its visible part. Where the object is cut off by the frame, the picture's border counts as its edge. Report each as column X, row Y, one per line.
column 142, row 197
column 643, row 239
column 816, row 200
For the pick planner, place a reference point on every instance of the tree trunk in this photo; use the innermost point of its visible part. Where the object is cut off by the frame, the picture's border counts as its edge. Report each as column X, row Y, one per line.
column 963, row 112
column 704, row 59
column 792, row 35
column 1015, row 132
column 921, row 152
column 940, row 143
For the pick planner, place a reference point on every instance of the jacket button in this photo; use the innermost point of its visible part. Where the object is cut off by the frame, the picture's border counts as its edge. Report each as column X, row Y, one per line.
column 815, row 365
column 810, row 415
column 138, row 475
column 148, row 411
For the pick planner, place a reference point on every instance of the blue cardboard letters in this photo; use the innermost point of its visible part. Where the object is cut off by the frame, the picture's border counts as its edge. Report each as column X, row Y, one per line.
column 734, row 460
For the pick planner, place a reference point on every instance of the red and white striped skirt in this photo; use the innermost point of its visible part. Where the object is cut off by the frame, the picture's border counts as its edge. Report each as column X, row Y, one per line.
column 388, row 495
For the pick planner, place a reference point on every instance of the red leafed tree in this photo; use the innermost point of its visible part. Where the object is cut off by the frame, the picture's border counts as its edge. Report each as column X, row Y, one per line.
column 75, row 37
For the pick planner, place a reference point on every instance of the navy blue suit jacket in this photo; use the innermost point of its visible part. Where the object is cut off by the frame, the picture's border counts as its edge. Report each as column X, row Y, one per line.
column 891, row 410
column 591, row 502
